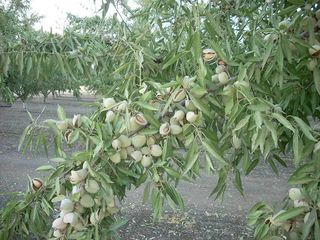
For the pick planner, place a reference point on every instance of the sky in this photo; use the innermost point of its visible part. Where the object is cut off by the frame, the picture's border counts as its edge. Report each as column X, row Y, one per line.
column 54, row 12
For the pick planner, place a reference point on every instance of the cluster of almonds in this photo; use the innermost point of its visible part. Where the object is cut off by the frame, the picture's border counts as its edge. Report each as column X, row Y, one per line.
column 297, row 199
column 133, row 146
column 83, row 196
column 221, row 70
column 142, row 148
column 66, row 126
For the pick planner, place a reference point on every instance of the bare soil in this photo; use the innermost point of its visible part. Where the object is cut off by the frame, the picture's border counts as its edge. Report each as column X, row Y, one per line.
column 204, row 218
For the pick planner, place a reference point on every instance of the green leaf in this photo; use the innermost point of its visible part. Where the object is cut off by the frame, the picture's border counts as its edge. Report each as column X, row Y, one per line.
column 242, row 123
column 289, row 214
column 61, row 113
column 305, row 128
column 191, row 158
column 316, row 78
column 213, row 150
column 117, row 224
column 283, row 121
column 238, row 182
column 308, row 225
column 196, row 46
column 147, row 106
column 172, row 60
column 45, row 168
column 198, row 103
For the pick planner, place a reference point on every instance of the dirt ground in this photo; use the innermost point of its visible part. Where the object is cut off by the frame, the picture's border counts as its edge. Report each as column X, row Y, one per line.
column 204, row 218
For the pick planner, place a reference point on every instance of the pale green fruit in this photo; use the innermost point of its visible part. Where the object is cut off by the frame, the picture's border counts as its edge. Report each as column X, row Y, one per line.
column 155, row 150
column 110, row 116
column 220, row 69
column 87, row 201
column 215, row 78
column 116, row 144
column 57, row 234
column 96, row 216
column 98, row 201
column 164, row 129
column 78, row 176
column 300, row 203
column 295, row 194
column 151, row 140
column 79, row 226
column 312, row 64
column 146, row 161
column 145, row 150
column 179, row 115
column 122, row 106
column 125, row 141
column 173, row 121
column 79, row 208
column 141, row 120
column 284, row 24
column 123, row 153
column 136, row 155
column 76, row 121
column 133, row 125
column 92, row 186
column 62, row 214
column 179, row 95
column 208, row 54
column 59, row 224
column 70, row 218
column 138, row 140
column 129, row 149
column 223, row 78
column 175, row 129
column 62, row 125
column 191, row 117
column 314, row 50
column 189, row 105
column 108, row 102
column 187, row 82
column 66, row 205
column 115, row 158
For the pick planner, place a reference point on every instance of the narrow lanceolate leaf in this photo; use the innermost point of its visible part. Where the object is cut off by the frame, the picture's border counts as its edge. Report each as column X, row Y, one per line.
column 308, row 225
column 305, row 128
column 283, row 121
column 147, row 106
column 196, row 46
column 192, row 157
column 289, row 214
column 61, row 113
column 242, row 123
column 316, row 78
column 213, row 150
column 45, row 168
